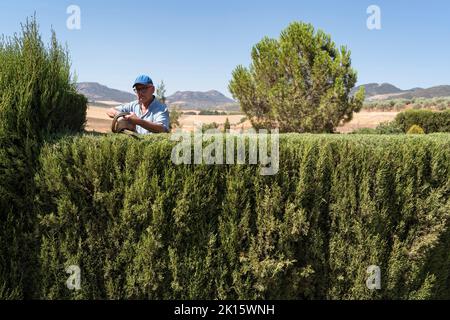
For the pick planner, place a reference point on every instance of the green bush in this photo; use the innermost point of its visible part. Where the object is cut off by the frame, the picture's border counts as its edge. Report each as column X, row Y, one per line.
column 141, row 227
column 37, row 94
column 430, row 121
column 37, row 98
column 388, row 127
column 415, row 129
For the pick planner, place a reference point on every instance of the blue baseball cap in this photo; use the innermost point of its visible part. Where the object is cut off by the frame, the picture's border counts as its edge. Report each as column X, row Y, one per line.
column 143, row 79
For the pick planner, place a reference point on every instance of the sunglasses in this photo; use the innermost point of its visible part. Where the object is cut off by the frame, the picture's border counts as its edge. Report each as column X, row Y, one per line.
column 143, row 89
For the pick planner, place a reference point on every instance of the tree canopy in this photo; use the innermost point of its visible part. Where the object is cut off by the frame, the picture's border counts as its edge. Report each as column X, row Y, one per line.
column 298, row 83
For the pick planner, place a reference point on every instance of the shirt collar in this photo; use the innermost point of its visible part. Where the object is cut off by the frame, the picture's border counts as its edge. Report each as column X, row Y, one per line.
column 151, row 106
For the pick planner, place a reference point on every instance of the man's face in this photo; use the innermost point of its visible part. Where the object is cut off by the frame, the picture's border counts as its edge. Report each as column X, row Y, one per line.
column 144, row 93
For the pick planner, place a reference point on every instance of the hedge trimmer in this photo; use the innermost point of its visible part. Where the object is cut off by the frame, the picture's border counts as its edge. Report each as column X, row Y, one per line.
column 121, row 125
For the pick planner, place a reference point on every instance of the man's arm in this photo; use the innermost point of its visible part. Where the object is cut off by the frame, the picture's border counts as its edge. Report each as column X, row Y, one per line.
column 151, row 126
column 128, row 107
column 112, row 112
column 147, row 125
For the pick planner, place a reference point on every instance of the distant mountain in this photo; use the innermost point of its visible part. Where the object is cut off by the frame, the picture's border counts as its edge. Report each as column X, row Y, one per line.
column 96, row 92
column 433, row 92
column 102, row 95
column 200, row 100
column 374, row 89
column 385, row 91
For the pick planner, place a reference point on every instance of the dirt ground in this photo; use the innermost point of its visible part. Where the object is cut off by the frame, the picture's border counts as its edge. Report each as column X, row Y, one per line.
column 190, row 122
column 98, row 121
column 367, row 119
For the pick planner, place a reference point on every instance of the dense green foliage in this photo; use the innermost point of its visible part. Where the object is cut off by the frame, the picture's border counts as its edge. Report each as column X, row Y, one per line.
column 37, row 98
column 141, row 227
column 430, row 121
column 299, row 83
column 36, row 89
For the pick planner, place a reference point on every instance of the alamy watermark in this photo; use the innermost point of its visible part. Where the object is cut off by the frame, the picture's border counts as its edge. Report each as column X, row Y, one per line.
column 374, row 19
column 373, row 282
column 235, row 148
column 74, row 20
column 74, row 280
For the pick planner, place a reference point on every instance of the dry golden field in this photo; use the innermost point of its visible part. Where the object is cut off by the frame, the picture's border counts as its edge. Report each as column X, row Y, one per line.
column 98, row 121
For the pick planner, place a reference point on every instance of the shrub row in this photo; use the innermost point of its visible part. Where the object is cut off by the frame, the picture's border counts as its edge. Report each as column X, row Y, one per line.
column 428, row 120
column 140, row 227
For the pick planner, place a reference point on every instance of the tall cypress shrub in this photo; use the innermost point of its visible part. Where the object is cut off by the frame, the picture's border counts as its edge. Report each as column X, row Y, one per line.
column 37, row 99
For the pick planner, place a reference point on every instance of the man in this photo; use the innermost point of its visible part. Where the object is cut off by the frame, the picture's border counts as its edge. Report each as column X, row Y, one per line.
column 147, row 113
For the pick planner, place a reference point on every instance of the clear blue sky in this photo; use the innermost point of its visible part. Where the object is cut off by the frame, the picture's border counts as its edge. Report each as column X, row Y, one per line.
column 195, row 45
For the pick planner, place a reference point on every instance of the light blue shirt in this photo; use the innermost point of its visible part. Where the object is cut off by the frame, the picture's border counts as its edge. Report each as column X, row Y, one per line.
column 157, row 113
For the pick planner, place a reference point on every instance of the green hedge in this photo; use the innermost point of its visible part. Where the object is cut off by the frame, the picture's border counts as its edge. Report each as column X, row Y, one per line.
column 430, row 121
column 141, row 227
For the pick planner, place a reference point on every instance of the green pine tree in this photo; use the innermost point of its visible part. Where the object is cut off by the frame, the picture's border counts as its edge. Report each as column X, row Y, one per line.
column 161, row 92
column 299, row 83
column 226, row 126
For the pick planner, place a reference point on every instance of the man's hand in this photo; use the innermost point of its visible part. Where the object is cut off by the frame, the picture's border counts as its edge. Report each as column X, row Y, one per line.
column 133, row 118
column 112, row 112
